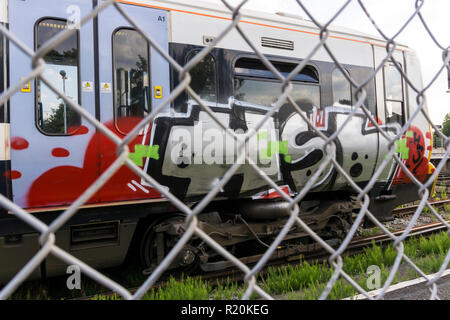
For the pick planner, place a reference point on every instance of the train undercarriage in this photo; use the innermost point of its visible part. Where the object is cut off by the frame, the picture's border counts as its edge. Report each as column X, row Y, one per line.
column 246, row 229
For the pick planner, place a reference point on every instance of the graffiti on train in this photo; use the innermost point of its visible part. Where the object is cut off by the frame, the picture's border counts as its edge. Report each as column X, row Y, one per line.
column 188, row 153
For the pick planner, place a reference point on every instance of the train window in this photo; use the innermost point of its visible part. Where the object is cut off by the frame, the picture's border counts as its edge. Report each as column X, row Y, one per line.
column 265, row 93
column 341, row 88
column 131, row 72
column 204, row 78
column 394, row 112
column 257, row 85
column 393, row 94
column 255, row 68
column 54, row 116
column 393, row 83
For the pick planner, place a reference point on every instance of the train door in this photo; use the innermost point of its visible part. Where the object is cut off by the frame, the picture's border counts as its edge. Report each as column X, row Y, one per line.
column 391, row 105
column 134, row 78
column 48, row 139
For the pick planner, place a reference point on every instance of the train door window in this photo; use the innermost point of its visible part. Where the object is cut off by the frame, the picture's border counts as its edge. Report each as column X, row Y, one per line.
column 131, row 76
column 255, row 84
column 53, row 115
column 204, row 78
column 3, row 81
column 393, row 88
column 341, row 88
column 2, row 65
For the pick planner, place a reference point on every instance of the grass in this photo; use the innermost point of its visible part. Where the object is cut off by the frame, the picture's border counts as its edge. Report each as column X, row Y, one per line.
column 373, row 255
column 56, row 287
column 188, row 288
column 431, row 264
column 436, row 244
column 290, row 278
column 183, row 289
column 340, row 290
column 447, row 208
column 307, row 280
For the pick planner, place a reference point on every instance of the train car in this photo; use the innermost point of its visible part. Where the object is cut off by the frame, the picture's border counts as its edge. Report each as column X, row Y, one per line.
column 51, row 154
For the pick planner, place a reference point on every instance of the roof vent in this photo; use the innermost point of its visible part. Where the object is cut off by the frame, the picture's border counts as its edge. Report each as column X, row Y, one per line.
column 277, row 43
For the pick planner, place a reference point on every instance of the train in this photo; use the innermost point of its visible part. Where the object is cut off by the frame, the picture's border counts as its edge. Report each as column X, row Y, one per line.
column 51, row 154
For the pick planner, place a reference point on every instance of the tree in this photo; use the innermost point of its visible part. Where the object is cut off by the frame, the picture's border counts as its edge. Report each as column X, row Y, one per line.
column 55, row 122
column 446, row 125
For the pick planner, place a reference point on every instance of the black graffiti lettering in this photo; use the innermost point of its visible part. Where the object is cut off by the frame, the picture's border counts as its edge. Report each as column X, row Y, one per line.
column 417, row 166
column 416, row 138
column 419, row 148
column 419, row 156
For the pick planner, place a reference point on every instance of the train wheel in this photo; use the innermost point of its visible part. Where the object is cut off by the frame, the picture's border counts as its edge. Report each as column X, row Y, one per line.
column 338, row 227
column 159, row 238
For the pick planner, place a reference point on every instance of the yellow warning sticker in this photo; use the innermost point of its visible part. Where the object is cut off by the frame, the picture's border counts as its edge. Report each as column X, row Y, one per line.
column 87, row 86
column 105, row 87
column 26, row 87
column 158, row 92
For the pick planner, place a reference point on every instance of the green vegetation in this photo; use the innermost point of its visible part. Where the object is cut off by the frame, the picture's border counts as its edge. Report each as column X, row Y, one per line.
column 306, row 280
column 446, row 125
column 290, row 278
column 183, row 289
column 447, row 208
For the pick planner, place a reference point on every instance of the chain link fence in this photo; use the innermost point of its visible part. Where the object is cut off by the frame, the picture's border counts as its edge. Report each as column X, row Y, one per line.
column 47, row 232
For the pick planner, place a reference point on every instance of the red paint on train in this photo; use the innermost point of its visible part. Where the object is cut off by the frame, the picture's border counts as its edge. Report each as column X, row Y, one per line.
column 15, row 174
column 60, row 152
column 76, row 131
column 417, row 163
column 378, row 120
column 19, row 143
column 62, row 185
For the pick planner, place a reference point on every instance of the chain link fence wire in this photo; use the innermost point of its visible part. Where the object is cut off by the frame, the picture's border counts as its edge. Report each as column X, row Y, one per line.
column 47, row 232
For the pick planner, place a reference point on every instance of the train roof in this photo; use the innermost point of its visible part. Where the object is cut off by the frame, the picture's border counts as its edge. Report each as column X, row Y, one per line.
column 284, row 18
column 218, row 9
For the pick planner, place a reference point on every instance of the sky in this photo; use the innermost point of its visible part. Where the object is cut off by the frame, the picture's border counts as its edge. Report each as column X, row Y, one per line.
column 390, row 15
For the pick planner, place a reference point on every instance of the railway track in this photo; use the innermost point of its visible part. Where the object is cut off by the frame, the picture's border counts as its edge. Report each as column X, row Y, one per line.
column 444, row 179
column 312, row 252
column 411, row 209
